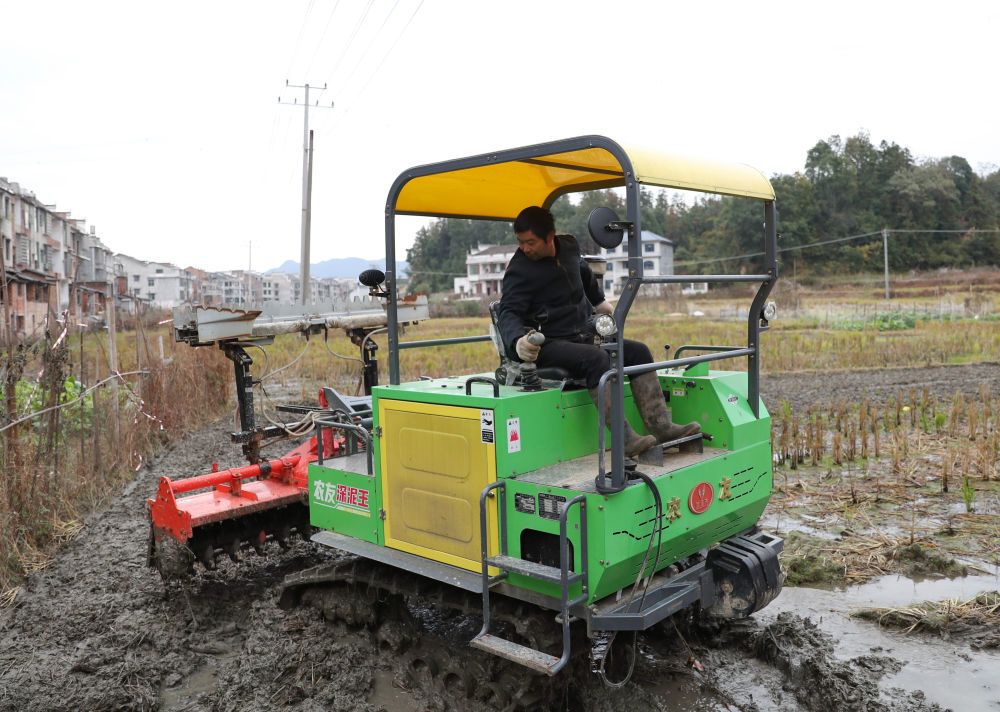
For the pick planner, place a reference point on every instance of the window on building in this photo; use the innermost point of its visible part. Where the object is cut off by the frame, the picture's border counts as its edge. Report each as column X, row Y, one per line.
column 610, row 250
column 150, row 282
column 648, row 264
column 608, row 283
column 152, row 296
column 135, row 278
column 611, row 266
column 649, row 247
column 159, row 270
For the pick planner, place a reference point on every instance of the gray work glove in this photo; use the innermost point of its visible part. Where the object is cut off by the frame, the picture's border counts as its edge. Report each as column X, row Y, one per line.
column 526, row 350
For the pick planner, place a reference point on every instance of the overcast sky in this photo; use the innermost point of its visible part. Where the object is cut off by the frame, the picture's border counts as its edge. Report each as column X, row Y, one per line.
column 160, row 124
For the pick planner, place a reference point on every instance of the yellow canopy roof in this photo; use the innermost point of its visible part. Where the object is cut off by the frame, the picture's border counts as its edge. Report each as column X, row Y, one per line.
column 499, row 185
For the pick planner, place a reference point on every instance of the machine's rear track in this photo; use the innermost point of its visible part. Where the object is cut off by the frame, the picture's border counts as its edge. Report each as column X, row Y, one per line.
column 424, row 626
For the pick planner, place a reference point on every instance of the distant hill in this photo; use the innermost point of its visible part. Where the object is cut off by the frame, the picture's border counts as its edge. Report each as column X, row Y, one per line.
column 339, row 267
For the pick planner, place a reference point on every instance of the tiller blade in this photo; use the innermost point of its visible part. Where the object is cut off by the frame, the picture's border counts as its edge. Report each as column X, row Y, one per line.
column 230, row 510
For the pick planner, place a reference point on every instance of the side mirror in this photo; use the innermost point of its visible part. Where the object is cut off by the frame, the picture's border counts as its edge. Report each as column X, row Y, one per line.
column 605, row 227
column 373, row 279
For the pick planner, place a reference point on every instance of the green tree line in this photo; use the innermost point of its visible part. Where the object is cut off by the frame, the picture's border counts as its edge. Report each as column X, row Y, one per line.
column 848, row 187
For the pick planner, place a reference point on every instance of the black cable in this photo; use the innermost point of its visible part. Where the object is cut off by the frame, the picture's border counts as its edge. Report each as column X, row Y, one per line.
column 635, row 587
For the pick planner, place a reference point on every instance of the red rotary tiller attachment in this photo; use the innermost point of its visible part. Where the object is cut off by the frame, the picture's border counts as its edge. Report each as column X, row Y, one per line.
column 229, row 510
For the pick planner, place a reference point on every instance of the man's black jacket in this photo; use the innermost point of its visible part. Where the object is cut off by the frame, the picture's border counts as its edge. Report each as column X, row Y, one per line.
column 554, row 295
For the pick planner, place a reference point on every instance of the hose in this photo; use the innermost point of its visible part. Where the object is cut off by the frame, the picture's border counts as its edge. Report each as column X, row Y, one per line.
column 635, row 587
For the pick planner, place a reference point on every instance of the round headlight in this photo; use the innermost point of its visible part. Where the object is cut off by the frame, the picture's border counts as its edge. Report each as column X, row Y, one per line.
column 605, row 325
column 770, row 311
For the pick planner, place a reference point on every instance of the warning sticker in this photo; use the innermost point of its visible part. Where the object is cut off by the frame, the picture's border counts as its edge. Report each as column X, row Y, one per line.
column 486, row 425
column 679, row 392
column 513, row 435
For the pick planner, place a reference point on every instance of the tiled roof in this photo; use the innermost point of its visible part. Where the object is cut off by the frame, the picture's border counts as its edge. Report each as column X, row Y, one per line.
column 495, row 250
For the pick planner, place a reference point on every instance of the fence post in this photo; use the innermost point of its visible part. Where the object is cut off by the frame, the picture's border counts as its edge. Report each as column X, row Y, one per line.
column 113, row 358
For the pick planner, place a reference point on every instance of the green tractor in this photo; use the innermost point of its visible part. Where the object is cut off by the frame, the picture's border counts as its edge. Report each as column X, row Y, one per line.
column 509, row 484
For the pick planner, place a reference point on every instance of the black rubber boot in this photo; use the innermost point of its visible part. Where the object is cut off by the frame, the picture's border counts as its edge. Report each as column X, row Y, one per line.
column 653, row 408
column 635, row 444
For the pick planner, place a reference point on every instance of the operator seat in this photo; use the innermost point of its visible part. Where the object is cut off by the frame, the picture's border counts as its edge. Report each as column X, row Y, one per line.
column 509, row 371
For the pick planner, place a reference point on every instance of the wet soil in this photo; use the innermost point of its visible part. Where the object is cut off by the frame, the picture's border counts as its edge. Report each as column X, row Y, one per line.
column 802, row 390
column 97, row 630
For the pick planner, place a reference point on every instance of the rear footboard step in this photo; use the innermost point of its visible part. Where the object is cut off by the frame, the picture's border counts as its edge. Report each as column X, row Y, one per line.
column 537, row 571
column 529, row 657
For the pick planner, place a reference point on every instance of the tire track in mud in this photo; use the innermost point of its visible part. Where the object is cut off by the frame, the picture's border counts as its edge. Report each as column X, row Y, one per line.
column 97, row 630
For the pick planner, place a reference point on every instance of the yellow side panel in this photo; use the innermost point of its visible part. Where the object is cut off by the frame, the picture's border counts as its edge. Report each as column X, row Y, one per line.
column 434, row 467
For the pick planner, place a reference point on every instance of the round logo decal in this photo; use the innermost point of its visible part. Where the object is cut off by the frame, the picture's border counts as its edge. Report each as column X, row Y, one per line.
column 701, row 497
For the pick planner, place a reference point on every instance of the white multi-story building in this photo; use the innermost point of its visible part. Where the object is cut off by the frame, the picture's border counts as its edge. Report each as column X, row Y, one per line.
column 44, row 251
column 279, row 287
column 160, row 284
column 285, row 288
column 485, row 267
column 657, row 260
column 487, row 263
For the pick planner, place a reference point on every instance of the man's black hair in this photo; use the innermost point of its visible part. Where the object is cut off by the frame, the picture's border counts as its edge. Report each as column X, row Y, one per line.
column 538, row 220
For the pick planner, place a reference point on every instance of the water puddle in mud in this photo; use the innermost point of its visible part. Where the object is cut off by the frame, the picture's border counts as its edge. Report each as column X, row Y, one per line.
column 896, row 590
column 950, row 673
column 186, row 694
column 388, row 693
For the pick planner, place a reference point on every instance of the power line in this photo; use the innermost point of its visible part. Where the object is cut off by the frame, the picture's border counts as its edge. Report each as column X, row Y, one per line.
column 298, row 40
column 370, row 44
column 970, row 230
column 354, row 34
column 827, row 242
column 323, row 36
column 389, row 51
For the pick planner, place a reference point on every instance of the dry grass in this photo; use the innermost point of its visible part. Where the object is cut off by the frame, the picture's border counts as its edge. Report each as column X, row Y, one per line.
column 938, row 616
column 790, row 346
column 62, row 465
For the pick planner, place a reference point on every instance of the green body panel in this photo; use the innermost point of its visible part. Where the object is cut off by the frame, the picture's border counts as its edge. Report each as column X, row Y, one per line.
column 719, row 402
column 554, row 425
column 619, row 526
column 555, row 455
column 345, row 502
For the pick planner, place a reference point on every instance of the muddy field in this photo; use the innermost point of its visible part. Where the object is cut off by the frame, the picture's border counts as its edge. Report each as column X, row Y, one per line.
column 97, row 630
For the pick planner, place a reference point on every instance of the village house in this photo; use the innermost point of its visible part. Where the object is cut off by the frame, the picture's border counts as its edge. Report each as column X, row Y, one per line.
column 657, row 260
column 54, row 263
column 486, row 265
column 51, row 261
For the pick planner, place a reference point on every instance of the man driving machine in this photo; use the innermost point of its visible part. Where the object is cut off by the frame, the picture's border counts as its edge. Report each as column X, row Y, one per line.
column 549, row 287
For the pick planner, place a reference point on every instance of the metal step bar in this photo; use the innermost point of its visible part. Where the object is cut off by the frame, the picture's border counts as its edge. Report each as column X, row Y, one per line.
column 522, row 654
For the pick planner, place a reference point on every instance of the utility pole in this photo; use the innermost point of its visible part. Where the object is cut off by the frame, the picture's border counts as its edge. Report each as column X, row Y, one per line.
column 885, row 258
column 306, row 180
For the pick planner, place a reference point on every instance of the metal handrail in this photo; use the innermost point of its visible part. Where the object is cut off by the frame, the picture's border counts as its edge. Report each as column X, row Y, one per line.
column 484, row 544
column 443, row 342
column 337, row 425
column 703, row 347
column 645, row 368
column 566, row 604
column 715, row 278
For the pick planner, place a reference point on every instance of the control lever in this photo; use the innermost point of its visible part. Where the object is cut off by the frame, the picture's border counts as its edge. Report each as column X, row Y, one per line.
column 529, row 372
